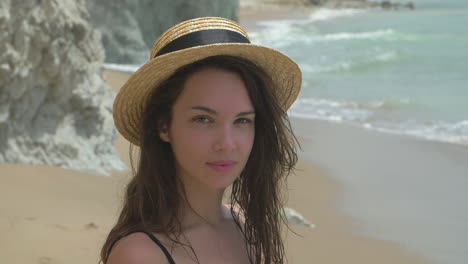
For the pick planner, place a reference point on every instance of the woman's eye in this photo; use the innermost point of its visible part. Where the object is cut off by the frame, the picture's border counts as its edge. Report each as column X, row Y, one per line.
column 243, row 121
column 202, row 119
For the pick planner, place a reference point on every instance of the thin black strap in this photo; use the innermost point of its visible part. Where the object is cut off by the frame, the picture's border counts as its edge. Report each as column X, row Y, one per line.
column 163, row 248
column 155, row 240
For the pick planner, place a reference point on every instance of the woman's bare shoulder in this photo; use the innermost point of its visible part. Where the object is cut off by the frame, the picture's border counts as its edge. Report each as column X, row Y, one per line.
column 136, row 248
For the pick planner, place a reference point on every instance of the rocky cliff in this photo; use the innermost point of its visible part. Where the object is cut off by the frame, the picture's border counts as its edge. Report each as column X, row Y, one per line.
column 55, row 107
column 129, row 28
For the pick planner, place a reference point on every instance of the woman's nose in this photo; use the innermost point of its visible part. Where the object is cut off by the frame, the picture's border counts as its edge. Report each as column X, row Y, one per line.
column 224, row 139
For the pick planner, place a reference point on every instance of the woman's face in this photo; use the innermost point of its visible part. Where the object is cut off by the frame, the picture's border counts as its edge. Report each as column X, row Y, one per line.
column 212, row 129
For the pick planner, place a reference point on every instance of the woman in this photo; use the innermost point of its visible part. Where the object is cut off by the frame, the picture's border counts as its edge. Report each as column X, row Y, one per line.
column 208, row 112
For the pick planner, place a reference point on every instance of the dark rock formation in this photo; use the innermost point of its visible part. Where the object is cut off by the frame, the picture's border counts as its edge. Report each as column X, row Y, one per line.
column 362, row 4
column 391, row 5
column 55, row 107
column 129, row 27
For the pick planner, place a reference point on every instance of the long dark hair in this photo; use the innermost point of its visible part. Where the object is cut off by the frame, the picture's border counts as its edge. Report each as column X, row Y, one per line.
column 153, row 196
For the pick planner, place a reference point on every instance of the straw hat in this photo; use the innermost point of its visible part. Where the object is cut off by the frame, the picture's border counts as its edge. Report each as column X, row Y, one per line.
column 191, row 41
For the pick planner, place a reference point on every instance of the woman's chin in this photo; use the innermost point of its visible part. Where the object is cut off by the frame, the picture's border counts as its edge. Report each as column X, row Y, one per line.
column 221, row 182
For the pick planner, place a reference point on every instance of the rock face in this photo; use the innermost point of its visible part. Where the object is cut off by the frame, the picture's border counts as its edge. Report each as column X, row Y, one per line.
column 362, row 4
column 129, row 28
column 55, row 107
column 333, row 3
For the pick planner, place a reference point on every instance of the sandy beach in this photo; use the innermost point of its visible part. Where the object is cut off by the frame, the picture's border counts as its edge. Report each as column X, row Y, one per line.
column 56, row 215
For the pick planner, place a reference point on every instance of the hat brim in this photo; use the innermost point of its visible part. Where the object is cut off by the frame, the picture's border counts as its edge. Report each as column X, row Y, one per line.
column 129, row 103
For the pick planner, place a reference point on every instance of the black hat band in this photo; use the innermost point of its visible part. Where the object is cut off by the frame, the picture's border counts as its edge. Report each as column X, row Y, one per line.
column 202, row 37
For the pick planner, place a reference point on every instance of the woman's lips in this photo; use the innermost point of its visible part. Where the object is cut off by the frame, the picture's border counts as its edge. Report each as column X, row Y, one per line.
column 222, row 166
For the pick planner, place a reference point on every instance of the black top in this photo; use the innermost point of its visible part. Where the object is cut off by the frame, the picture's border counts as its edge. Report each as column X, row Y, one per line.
column 155, row 240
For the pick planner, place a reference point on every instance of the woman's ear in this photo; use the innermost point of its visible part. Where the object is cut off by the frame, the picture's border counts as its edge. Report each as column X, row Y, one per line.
column 164, row 134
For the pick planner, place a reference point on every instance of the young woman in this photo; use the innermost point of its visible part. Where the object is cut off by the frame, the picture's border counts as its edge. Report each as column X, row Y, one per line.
column 208, row 113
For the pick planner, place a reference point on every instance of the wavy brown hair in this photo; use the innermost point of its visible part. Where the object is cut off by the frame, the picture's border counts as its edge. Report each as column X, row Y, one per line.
column 153, row 196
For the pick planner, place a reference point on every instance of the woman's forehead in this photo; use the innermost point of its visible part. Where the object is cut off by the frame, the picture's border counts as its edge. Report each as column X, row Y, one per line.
column 216, row 90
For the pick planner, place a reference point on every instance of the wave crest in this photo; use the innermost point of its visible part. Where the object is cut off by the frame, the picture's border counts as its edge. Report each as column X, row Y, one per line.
column 374, row 115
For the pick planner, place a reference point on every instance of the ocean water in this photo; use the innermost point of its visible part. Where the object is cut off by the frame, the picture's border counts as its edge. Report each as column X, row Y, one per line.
column 402, row 71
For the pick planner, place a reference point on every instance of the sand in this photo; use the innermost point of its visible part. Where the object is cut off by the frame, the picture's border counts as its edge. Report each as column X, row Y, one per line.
column 56, row 215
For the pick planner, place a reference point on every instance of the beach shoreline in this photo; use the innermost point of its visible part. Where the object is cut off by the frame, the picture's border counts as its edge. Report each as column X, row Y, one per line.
column 252, row 12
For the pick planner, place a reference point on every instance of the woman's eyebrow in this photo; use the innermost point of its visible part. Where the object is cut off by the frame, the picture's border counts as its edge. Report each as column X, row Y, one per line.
column 246, row 113
column 211, row 111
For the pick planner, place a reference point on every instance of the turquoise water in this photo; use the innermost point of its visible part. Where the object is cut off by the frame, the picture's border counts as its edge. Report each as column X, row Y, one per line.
column 400, row 71
column 403, row 72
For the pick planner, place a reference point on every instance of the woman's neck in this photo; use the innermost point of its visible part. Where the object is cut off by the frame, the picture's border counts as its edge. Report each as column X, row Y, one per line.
column 202, row 206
